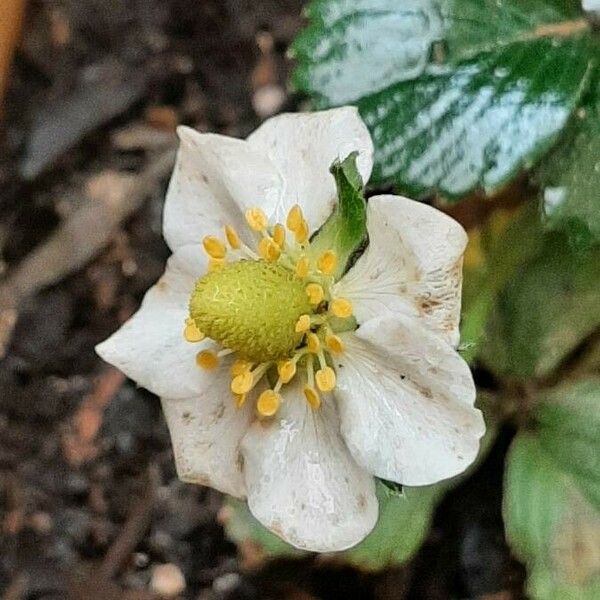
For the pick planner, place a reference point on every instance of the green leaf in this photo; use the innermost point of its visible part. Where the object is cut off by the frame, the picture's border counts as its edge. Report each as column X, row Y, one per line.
column 549, row 307
column 481, row 26
column 552, row 523
column 345, row 231
column 353, row 47
column 514, row 73
column 502, row 250
column 404, row 521
column 477, row 123
column 570, row 178
column 570, row 414
column 241, row 527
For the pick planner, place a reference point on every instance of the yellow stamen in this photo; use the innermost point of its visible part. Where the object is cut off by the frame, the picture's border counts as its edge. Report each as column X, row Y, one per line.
column 269, row 250
column 240, row 366
column 233, row 239
column 312, row 397
column 239, row 399
column 242, row 383
column 279, row 234
column 301, row 234
column 303, row 324
column 341, row 308
column 286, row 370
column 312, row 342
column 327, row 262
column 325, row 379
column 214, row 247
column 256, row 218
column 268, row 403
column 191, row 333
column 315, row 293
column 214, row 264
column 334, row 343
column 295, row 218
column 207, row 359
column 302, row 267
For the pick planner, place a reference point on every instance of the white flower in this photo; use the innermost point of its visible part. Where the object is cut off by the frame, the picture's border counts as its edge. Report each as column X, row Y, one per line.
column 374, row 386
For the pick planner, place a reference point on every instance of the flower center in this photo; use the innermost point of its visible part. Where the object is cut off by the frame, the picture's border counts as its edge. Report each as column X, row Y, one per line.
column 274, row 310
column 251, row 307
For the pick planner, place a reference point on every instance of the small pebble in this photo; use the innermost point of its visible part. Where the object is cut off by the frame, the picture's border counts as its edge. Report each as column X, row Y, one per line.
column 226, row 583
column 267, row 100
column 41, row 522
column 167, row 580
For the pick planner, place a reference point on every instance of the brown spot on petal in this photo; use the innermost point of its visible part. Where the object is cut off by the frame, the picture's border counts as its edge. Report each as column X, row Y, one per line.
column 277, row 529
column 361, row 502
column 427, row 305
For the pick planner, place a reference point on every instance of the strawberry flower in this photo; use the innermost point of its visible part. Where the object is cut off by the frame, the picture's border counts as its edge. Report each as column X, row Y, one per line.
column 289, row 374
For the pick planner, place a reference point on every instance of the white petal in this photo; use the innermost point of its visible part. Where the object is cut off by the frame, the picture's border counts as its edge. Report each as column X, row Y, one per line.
column 303, row 146
column 406, row 402
column 413, row 265
column 206, row 432
column 150, row 348
column 302, row 482
column 214, row 178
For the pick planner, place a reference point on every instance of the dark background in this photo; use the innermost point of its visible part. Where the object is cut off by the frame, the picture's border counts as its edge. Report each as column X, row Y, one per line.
column 89, row 502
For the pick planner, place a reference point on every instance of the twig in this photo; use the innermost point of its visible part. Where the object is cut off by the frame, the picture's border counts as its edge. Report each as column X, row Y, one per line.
column 79, row 444
column 80, row 237
column 10, row 31
column 17, row 588
column 135, row 527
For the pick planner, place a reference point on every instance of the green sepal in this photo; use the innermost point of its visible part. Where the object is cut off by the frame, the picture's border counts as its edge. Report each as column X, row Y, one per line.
column 345, row 232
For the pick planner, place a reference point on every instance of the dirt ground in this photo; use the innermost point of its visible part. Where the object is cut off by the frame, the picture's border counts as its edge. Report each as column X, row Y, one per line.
column 90, row 506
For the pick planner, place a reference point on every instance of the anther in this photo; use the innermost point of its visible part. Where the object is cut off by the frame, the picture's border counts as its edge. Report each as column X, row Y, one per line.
column 303, row 324
column 334, row 343
column 242, row 383
column 312, row 397
column 256, row 218
column 214, row 247
column 295, row 218
column 315, row 293
column 286, row 370
column 301, row 234
column 233, row 239
column 312, row 342
column 269, row 250
column 191, row 333
column 327, row 262
column 302, row 267
column 341, row 308
column 325, row 379
column 207, row 359
column 268, row 403
column 279, row 234
column 240, row 366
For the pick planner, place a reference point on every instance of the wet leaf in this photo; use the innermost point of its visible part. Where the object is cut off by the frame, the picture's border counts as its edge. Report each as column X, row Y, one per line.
column 355, row 47
column 552, row 505
column 571, row 178
column 489, row 103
